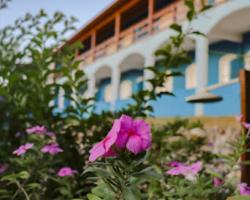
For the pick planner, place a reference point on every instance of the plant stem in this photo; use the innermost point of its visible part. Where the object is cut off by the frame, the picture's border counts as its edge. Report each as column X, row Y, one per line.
column 20, row 187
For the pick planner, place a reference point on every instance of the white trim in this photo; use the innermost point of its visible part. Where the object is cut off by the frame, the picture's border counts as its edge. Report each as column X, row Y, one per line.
column 247, row 61
column 225, row 67
column 190, row 76
column 218, row 85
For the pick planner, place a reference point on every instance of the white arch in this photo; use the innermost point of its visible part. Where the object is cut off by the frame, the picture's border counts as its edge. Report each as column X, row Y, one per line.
column 206, row 22
column 225, row 67
column 103, row 72
column 132, row 61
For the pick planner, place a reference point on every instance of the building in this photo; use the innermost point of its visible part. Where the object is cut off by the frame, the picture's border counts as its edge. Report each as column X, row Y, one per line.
column 121, row 41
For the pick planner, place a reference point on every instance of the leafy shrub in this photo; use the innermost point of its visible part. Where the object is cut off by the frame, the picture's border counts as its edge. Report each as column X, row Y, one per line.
column 36, row 63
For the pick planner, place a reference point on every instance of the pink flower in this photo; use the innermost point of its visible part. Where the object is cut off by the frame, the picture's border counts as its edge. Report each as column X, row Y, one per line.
column 246, row 125
column 135, row 135
column 50, row 134
column 174, row 164
column 23, row 148
column 3, row 168
column 217, row 182
column 52, row 149
column 239, row 118
column 244, row 189
column 66, row 171
column 103, row 148
column 18, row 134
column 188, row 171
column 40, row 130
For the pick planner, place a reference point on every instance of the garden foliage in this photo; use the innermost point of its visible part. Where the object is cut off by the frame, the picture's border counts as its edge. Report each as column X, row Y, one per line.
column 74, row 153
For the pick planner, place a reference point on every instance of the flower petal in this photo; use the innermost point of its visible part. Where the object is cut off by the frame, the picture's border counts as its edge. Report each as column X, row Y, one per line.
column 97, row 151
column 143, row 129
column 126, row 124
column 134, row 144
column 111, row 138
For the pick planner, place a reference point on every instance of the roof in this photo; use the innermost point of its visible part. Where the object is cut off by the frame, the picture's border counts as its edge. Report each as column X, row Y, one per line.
column 117, row 4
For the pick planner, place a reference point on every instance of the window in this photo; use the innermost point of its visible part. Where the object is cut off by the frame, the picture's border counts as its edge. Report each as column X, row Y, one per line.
column 126, row 89
column 108, row 93
column 168, row 85
column 247, row 61
column 191, row 76
column 225, row 67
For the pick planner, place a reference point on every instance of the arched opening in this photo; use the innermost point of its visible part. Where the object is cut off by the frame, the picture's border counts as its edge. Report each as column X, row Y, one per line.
column 131, row 69
column 229, row 37
column 103, row 84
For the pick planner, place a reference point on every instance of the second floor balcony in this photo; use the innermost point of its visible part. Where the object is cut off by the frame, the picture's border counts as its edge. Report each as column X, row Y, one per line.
column 133, row 22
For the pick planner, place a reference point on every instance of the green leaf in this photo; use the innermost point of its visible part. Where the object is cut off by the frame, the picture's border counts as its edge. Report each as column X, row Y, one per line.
column 92, row 197
column 32, row 186
column 239, row 198
column 190, row 15
column 102, row 172
column 23, row 175
column 198, row 33
column 11, row 178
column 176, row 27
column 130, row 194
column 205, row 8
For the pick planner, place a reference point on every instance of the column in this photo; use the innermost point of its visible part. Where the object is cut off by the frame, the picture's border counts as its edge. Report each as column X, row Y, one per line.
column 149, row 61
column 150, row 15
column 93, row 43
column 201, row 59
column 91, row 85
column 117, row 28
column 61, row 99
column 115, row 82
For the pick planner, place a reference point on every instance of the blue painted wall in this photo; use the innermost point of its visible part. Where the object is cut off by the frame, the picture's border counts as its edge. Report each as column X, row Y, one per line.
column 175, row 105
column 216, row 52
column 169, row 106
column 246, row 42
column 101, row 106
column 229, row 106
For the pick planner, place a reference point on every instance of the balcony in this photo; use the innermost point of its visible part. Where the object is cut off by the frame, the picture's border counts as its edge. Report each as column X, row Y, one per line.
column 122, row 37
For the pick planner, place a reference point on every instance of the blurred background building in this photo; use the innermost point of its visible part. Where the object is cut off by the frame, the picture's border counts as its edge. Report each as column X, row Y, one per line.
column 120, row 42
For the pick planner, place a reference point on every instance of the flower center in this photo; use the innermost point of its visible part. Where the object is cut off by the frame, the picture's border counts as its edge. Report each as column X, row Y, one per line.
column 131, row 132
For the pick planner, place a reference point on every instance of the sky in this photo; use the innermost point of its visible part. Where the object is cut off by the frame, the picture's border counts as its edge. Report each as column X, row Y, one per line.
column 84, row 10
